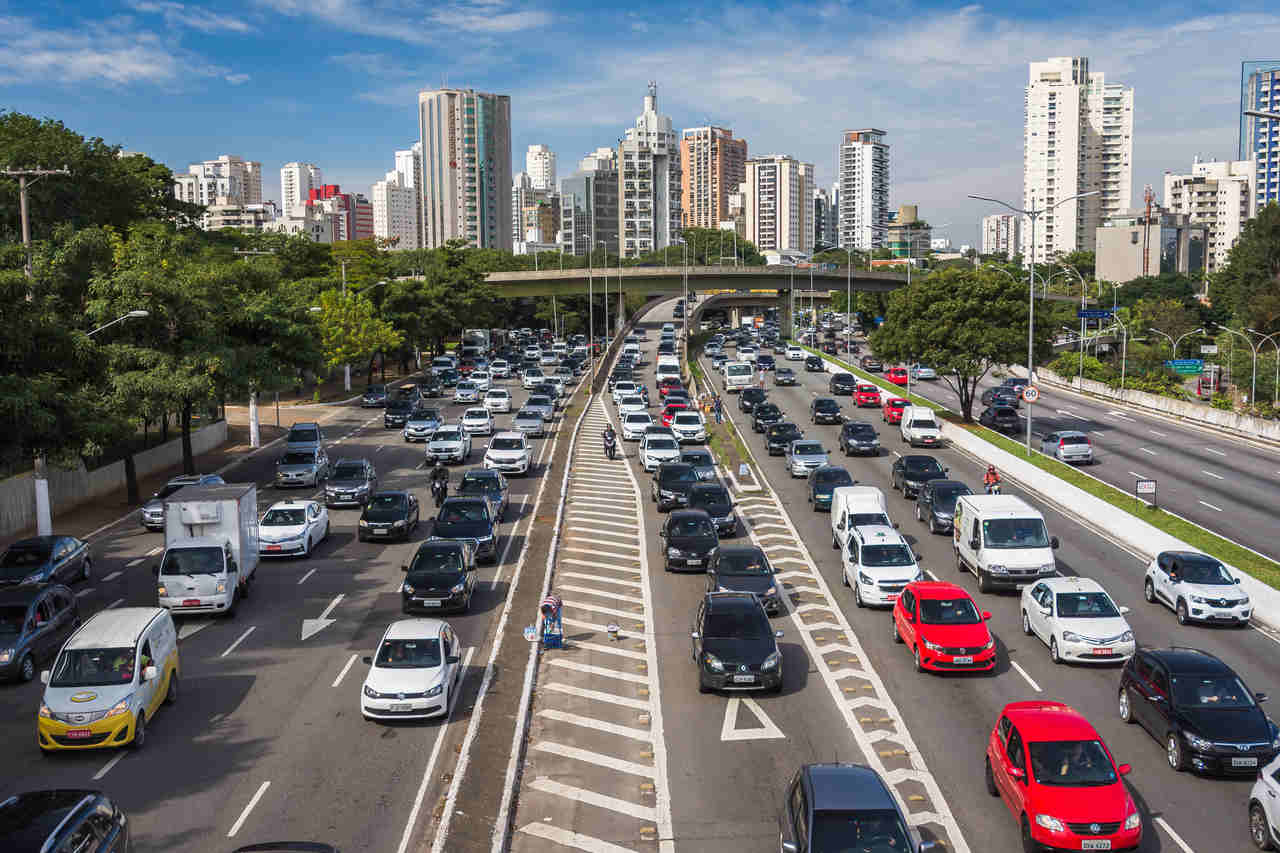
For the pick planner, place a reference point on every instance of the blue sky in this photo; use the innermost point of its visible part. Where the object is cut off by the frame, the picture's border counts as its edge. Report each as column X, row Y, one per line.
column 334, row 82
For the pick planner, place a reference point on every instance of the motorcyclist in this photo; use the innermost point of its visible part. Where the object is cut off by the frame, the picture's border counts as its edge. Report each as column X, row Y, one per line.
column 610, row 440
column 991, row 479
column 439, row 482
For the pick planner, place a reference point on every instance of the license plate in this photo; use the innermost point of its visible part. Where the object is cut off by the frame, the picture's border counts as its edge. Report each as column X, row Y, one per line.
column 1244, row 762
column 1095, row 844
column 380, row 532
column 273, row 547
column 893, row 596
column 401, row 706
column 1102, row 651
column 78, row 734
column 963, row 659
column 695, row 562
column 744, row 679
column 190, row 602
column 429, row 602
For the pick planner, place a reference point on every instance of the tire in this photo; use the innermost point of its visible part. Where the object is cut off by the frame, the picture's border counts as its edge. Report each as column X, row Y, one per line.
column 1259, row 827
column 919, row 667
column 702, row 687
column 1181, row 611
column 1174, row 754
column 27, row 670
column 893, row 630
column 960, row 567
column 857, row 595
column 1149, row 591
column 139, row 732
column 1028, row 843
column 1122, row 703
column 1053, row 651
column 171, row 691
column 1026, row 624
column 919, row 515
column 306, row 552
column 235, row 603
column 933, row 525
column 86, row 570
column 984, row 582
column 844, row 577
column 989, row 779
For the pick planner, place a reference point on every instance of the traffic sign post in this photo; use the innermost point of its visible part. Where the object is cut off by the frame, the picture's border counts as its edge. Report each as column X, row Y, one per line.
column 1145, row 490
column 1030, row 393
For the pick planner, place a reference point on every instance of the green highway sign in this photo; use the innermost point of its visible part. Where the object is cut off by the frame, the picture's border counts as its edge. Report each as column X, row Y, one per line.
column 1186, row 366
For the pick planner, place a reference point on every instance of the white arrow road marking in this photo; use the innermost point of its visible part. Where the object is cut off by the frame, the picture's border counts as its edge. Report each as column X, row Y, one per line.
column 189, row 628
column 311, row 627
column 767, row 730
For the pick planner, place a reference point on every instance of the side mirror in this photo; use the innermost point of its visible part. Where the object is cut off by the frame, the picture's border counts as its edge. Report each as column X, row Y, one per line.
column 453, row 659
column 150, row 673
column 1017, row 773
column 1053, row 542
column 1123, row 609
column 367, row 660
column 694, row 635
column 974, row 544
column 1124, row 769
column 404, row 567
column 778, row 633
column 44, row 676
column 986, row 615
column 1261, row 697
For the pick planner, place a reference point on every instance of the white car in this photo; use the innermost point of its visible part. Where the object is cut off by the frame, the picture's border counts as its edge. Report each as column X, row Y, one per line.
column 630, row 404
column 531, row 377
column 922, row 371
column 634, row 425
column 500, row 369
column 1196, row 587
column 623, row 389
column 795, row 353
column 532, row 353
column 292, row 528
column 549, row 359
column 466, row 392
column 450, row 443
column 877, row 563
column 1077, row 620
column 497, row 400
column 656, row 449
column 688, row 426
column 481, row 379
column 509, row 452
column 477, row 421
column 747, row 353
column 1264, row 808
column 414, row 673
column 557, row 382
column 529, row 422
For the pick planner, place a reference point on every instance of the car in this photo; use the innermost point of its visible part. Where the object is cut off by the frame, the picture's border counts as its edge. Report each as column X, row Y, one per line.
column 672, row 480
column 46, row 559
column 1001, row 396
column 408, row 392
column 490, row 485
column 443, row 362
column 374, row 397
column 623, row 389
column 635, row 424
column 449, row 377
column 814, row 364
column 509, row 452
column 745, row 569
column 1061, row 782
column 530, row 422
column 304, row 435
column 350, row 483
column 689, row 540
column 844, row 807
column 719, row 359
column 1264, row 808
column 450, row 443
column 477, row 421
column 1197, row 588
column 701, row 461
column 688, row 426
column 898, row 376
column 822, row 481
column 429, row 386
column 497, row 400
column 778, row 438
column 1000, row 418
column 1077, row 620
column 441, row 576
column 631, row 403
column 151, row 516
column 1017, row 383
column 34, row 623
column 667, row 384
column 500, row 368
column 803, row 455
column 469, row 518
column 936, row 503
column 891, row 410
column 389, row 514
column 734, row 646
column 764, row 415
column 466, row 391
column 422, row 421
column 467, row 367
column 943, row 628
column 866, row 395
column 1068, row 445
column 765, row 361
column 878, row 563
column 825, row 410
column 871, row 364
column 841, row 383
column 302, row 468
column 481, row 379
column 397, row 412
column 920, row 372
column 795, row 353
column 749, row 397
column 670, row 409
column 859, row 437
column 784, row 376
column 292, row 528
column 414, row 672
column 910, row 472
column 714, row 499
column 829, row 347
column 657, row 449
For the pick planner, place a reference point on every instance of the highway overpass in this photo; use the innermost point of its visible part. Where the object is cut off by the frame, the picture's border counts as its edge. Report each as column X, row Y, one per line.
column 670, row 279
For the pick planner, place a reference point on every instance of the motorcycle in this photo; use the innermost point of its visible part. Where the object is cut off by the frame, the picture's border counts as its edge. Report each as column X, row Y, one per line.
column 610, row 445
column 993, row 488
column 439, row 491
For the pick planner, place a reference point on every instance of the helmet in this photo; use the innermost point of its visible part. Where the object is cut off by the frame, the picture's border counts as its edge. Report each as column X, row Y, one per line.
column 991, row 468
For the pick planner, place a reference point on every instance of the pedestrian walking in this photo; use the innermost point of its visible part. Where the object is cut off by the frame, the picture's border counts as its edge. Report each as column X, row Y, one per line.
column 719, row 410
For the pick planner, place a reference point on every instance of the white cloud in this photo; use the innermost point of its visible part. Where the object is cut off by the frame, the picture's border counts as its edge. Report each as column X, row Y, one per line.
column 236, row 79
column 180, row 16
column 416, row 21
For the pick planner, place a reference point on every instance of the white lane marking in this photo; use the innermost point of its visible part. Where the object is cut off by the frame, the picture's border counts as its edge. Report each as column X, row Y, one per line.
column 303, row 579
column 82, row 593
column 596, row 758
column 616, row 596
column 106, row 768
column 1136, row 474
column 767, row 730
column 136, row 562
column 1097, row 432
column 1211, row 474
column 435, row 754
column 235, row 827
column 231, row 648
column 1023, row 673
column 1157, row 433
column 311, row 627
column 506, row 549
column 1219, row 452
column 189, row 628
column 599, row 671
column 610, row 650
column 1177, row 839
column 1210, row 506
column 155, row 550
column 591, row 798
column 109, row 578
column 600, row 578
column 341, row 675
column 1070, row 414
column 1151, row 452
column 115, row 603
column 931, row 575
column 597, row 695
column 1121, row 415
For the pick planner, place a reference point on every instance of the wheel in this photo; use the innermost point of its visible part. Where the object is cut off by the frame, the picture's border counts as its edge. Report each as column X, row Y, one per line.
column 139, row 731
column 933, row 525
column 1028, row 843
column 989, row 779
column 960, row 563
column 1026, row 624
column 1259, row 827
column 1053, row 650
column 1173, row 752
column 306, row 552
column 893, row 630
column 919, row 514
column 87, row 569
column 984, row 582
column 1149, row 591
column 235, row 602
column 1126, row 712
column 1181, row 611
column 171, row 692
column 857, row 594
column 28, row 668
column 916, row 654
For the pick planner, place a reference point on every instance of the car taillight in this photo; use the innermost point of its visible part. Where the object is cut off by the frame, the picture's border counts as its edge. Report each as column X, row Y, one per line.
column 1062, row 442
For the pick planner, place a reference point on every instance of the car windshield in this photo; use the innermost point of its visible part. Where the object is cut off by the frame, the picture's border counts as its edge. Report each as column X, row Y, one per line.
column 400, row 405
column 807, row 449
column 425, row 415
column 170, row 488
column 25, row 557
column 461, row 511
column 872, row 831
column 303, row 436
column 284, row 517
column 887, row 555
column 385, row 502
column 924, row 423
column 688, row 420
column 633, row 400
column 737, row 623
column 1014, row 533
column 767, row 410
column 527, row 415
column 408, row 654
column 833, row 478
column 539, row 400
column 783, row 430
column 1086, row 605
column 917, row 466
column 451, row 434
column 434, row 560
column 192, row 561
column 638, row 418
column 479, row 484
column 860, row 430
column 678, row 474
column 298, row 458
column 661, row 444
column 348, row 471
column 696, row 457
column 1071, row 763
column 476, row 414
column 466, row 385
column 1209, row 572
column 750, row 562
column 948, row 611
column 1210, row 691
column 93, row 667
column 858, row 519
column 868, row 389
column 707, row 496
column 826, row 406
column 11, row 620
column 506, row 444
column 691, row 526
column 897, row 404
column 376, row 389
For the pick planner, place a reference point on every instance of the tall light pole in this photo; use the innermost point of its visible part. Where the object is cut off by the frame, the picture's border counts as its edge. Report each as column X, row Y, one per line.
column 1033, row 214
column 1275, row 392
column 1173, row 343
column 1253, row 384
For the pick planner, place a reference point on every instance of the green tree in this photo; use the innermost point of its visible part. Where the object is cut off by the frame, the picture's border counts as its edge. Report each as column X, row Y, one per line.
column 1248, row 288
column 351, row 331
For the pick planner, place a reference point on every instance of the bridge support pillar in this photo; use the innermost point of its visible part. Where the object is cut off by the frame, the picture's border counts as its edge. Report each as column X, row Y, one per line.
column 785, row 322
column 735, row 316
column 622, row 311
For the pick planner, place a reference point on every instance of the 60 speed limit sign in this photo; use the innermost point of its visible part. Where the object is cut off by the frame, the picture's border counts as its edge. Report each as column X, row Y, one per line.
column 1030, row 393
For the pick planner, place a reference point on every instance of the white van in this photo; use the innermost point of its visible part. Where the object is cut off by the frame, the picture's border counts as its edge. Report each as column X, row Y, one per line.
column 668, row 369
column 920, row 427
column 668, row 358
column 737, row 375
column 1002, row 540
column 110, row 677
column 856, row 506
column 631, row 349
column 877, row 563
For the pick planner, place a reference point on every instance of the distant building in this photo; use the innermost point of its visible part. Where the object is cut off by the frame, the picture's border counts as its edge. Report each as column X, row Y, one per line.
column 1001, row 234
column 940, row 244
column 395, row 211
column 297, row 180
column 589, row 207
column 601, row 158
column 824, row 219
column 351, row 214
column 409, row 165
column 1128, row 245
column 862, row 162
column 308, row 221
column 228, row 180
column 779, row 203
column 738, row 209
column 712, row 164
column 649, row 214
column 540, row 163
column 246, row 217
column 908, row 236
column 1218, row 195
column 1260, row 137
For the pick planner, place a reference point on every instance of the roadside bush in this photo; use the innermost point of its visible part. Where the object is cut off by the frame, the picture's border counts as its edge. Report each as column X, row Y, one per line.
column 1153, row 383
column 1222, row 402
column 1067, row 365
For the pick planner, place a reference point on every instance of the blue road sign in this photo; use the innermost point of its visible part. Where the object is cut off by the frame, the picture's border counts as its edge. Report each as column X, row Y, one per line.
column 1093, row 313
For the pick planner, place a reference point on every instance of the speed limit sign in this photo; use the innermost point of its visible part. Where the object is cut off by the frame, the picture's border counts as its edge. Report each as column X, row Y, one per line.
column 1030, row 393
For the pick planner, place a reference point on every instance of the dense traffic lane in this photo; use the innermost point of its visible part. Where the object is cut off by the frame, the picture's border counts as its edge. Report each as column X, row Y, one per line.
column 951, row 717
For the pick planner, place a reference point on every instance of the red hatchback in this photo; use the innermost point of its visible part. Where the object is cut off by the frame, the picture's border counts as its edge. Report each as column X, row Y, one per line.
column 943, row 628
column 669, row 413
column 1059, row 780
column 667, row 383
column 897, row 375
column 866, row 395
column 892, row 411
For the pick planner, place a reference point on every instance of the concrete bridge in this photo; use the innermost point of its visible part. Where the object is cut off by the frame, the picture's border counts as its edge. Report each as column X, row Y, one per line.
column 670, row 279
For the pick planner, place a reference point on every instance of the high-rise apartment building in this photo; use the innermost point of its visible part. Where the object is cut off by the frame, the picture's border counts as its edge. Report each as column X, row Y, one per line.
column 589, row 207
column 1218, row 195
column 540, row 163
column 1001, row 234
column 601, row 158
column 1077, row 138
column 395, row 216
column 466, row 167
column 862, row 163
column 824, row 219
column 712, row 164
column 779, row 203
column 297, row 180
column 648, row 181
column 228, row 180
column 1260, row 137
column 409, row 165
column 351, row 214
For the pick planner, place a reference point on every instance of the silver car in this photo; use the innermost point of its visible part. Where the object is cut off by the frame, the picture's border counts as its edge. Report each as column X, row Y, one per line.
column 449, row 444
column 466, row 392
column 421, row 424
column 529, row 421
column 302, row 468
column 1068, row 445
column 804, row 455
column 542, row 404
column 152, row 515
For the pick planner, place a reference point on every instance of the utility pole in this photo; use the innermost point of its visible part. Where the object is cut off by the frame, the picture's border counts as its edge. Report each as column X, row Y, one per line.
column 40, row 479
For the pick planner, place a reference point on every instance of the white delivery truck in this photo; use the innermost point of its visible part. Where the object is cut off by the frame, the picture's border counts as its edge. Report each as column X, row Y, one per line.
column 856, row 506
column 1003, row 540
column 919, row 427
column 738, row 375
column 210, row 549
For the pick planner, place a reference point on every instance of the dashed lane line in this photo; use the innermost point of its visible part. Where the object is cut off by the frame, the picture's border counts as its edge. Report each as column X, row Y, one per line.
column 1146, row 450
column 244, row 815
column 1177, row 839
column 1210, row 506
column 1027, row 678
column 82, row 593
column 231, row 648
column 303, row 579
column 109, row 578
column 106, row 768
column 343, row 674
column 1218, row 452
column 1211, row 474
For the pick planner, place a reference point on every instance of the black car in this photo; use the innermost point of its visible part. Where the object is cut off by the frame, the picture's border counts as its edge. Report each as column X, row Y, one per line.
column 871, row 364
column 408, row 392
column 397, row 412
column 429, row 386
column 842, row 383
column 909, row 473
column 449, row 377
column 823, row 481
column 1001, row 396
column 814, row 364
column 764, row 361
column 469, row 519
column 1200, row 709
column 46, row 559
column 689, row 540
column 441, row 576
column 846, row 802
column 388, row 515
column 714, row 499
column 999, row 418
column 778, row 437
column 749, row 397
column 858, row 437
column 784, row 376
column 374, row 397
column 63, row 819
column 34, row 623
column 734, row 646
column 936, row 503
column 825, row 410
column 745, row 568
column 671, row 484
column 350, row 483
column 1017, row 383
column 764, row 415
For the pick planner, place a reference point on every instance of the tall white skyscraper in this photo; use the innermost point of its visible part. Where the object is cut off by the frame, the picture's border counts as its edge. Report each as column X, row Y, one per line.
column 1001, row 234
column 409, row 165
column 228, row 180
column 1078, row 137
column 1260, row 137
column 862, row 164
column 649, row 161
column 296, row 182
column 395, row 215
column 540, row 163
column 779, row 203
column 1219, row 195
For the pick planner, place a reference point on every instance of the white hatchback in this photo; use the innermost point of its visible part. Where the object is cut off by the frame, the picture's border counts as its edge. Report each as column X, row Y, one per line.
column 498, row 400
column 414, row 673
column 1197, row 588
column 634, row 425
column 500, row 369
column 477, row 421
column 795, row 354
column 631, row 404
column 1077, row 620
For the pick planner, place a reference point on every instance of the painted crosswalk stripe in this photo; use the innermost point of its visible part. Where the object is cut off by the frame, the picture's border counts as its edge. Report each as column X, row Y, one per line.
column 596, row 758
column 574, row 840
column 591, row 798
column 596, row 695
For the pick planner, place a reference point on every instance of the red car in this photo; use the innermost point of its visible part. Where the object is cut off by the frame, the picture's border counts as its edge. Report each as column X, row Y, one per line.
column 467, row 366
column 866, row 395
column 897, row 375
column 1059, row 780
column 892, row 411
column 668, row 383
column 943, row 628
column 669, row 413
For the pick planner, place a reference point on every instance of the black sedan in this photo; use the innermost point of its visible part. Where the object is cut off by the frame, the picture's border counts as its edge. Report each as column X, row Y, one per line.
column 429, row 387
column 470, row 519
column 784, row 376
column 813, row 364
column 34, row 623
column 689, row 540
column 825, row 480
column 671, row 484
column 749, row 398
column 745, row 568
column 441, row 576
column 46, row 559
column 389, row 515
column 871, row 363
column 1001, row 396
column 778, row 437
column 936, row 503
column 764, row 415
column 374, row 397
column 714, row 499
column 825, row 410
column 842, row 383
column 999, row 418
column 858, row 437
column 910, row 473
column 764, row 361
column 734, row 646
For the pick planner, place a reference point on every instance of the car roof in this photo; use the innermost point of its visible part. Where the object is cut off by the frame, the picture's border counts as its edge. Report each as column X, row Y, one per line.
column 291, row 503
column 1002, row 506
column 397, row 492
column 839, row 787
column 938, row 589
column 304, row 425
column 114, row 628
column 27, row 820
column 407, row 629
column 508, row 433
column 684, row 514
column 1182, row 660
column 731, row 600
column 42, row 541
column 1048, row 720
column 879, row 534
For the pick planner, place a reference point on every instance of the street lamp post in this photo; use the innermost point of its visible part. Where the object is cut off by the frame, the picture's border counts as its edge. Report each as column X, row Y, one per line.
column 1275, row 392
column 1033, row 214
column 136, row 314
column 1173, row 343
column 1253, row 384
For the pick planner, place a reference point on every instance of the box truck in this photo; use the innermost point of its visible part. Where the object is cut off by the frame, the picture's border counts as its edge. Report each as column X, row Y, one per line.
column 210, row 549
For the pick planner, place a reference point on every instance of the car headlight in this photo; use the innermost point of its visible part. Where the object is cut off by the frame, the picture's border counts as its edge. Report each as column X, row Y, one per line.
column 1199, row 599
column 370, row 692
column 33, row 578
column 1071, row 637
column 1126, row 637
column 998, row 570
column 772, row 661
column 221, row 588
column 488, row 537
column 933, row 647
column 773, row 590
column 121, row 707
column 406, row 589
column 435, row 691
column 1048, row 569
column 399, row 523
column 6, row 655
column 713, row 663
column 1196, row 742
column 364, row 523
column 1275, row 737
column 458, row 588
column 989, row 644
column 1133, row 821
column 666, row 494
column 674, row 552
column 363, row 488
column 865, row 578
column 1050, row 823
column 45, row 712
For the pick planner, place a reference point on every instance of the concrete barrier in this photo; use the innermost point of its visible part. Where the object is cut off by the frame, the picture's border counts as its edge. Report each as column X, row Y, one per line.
column 70, row 488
